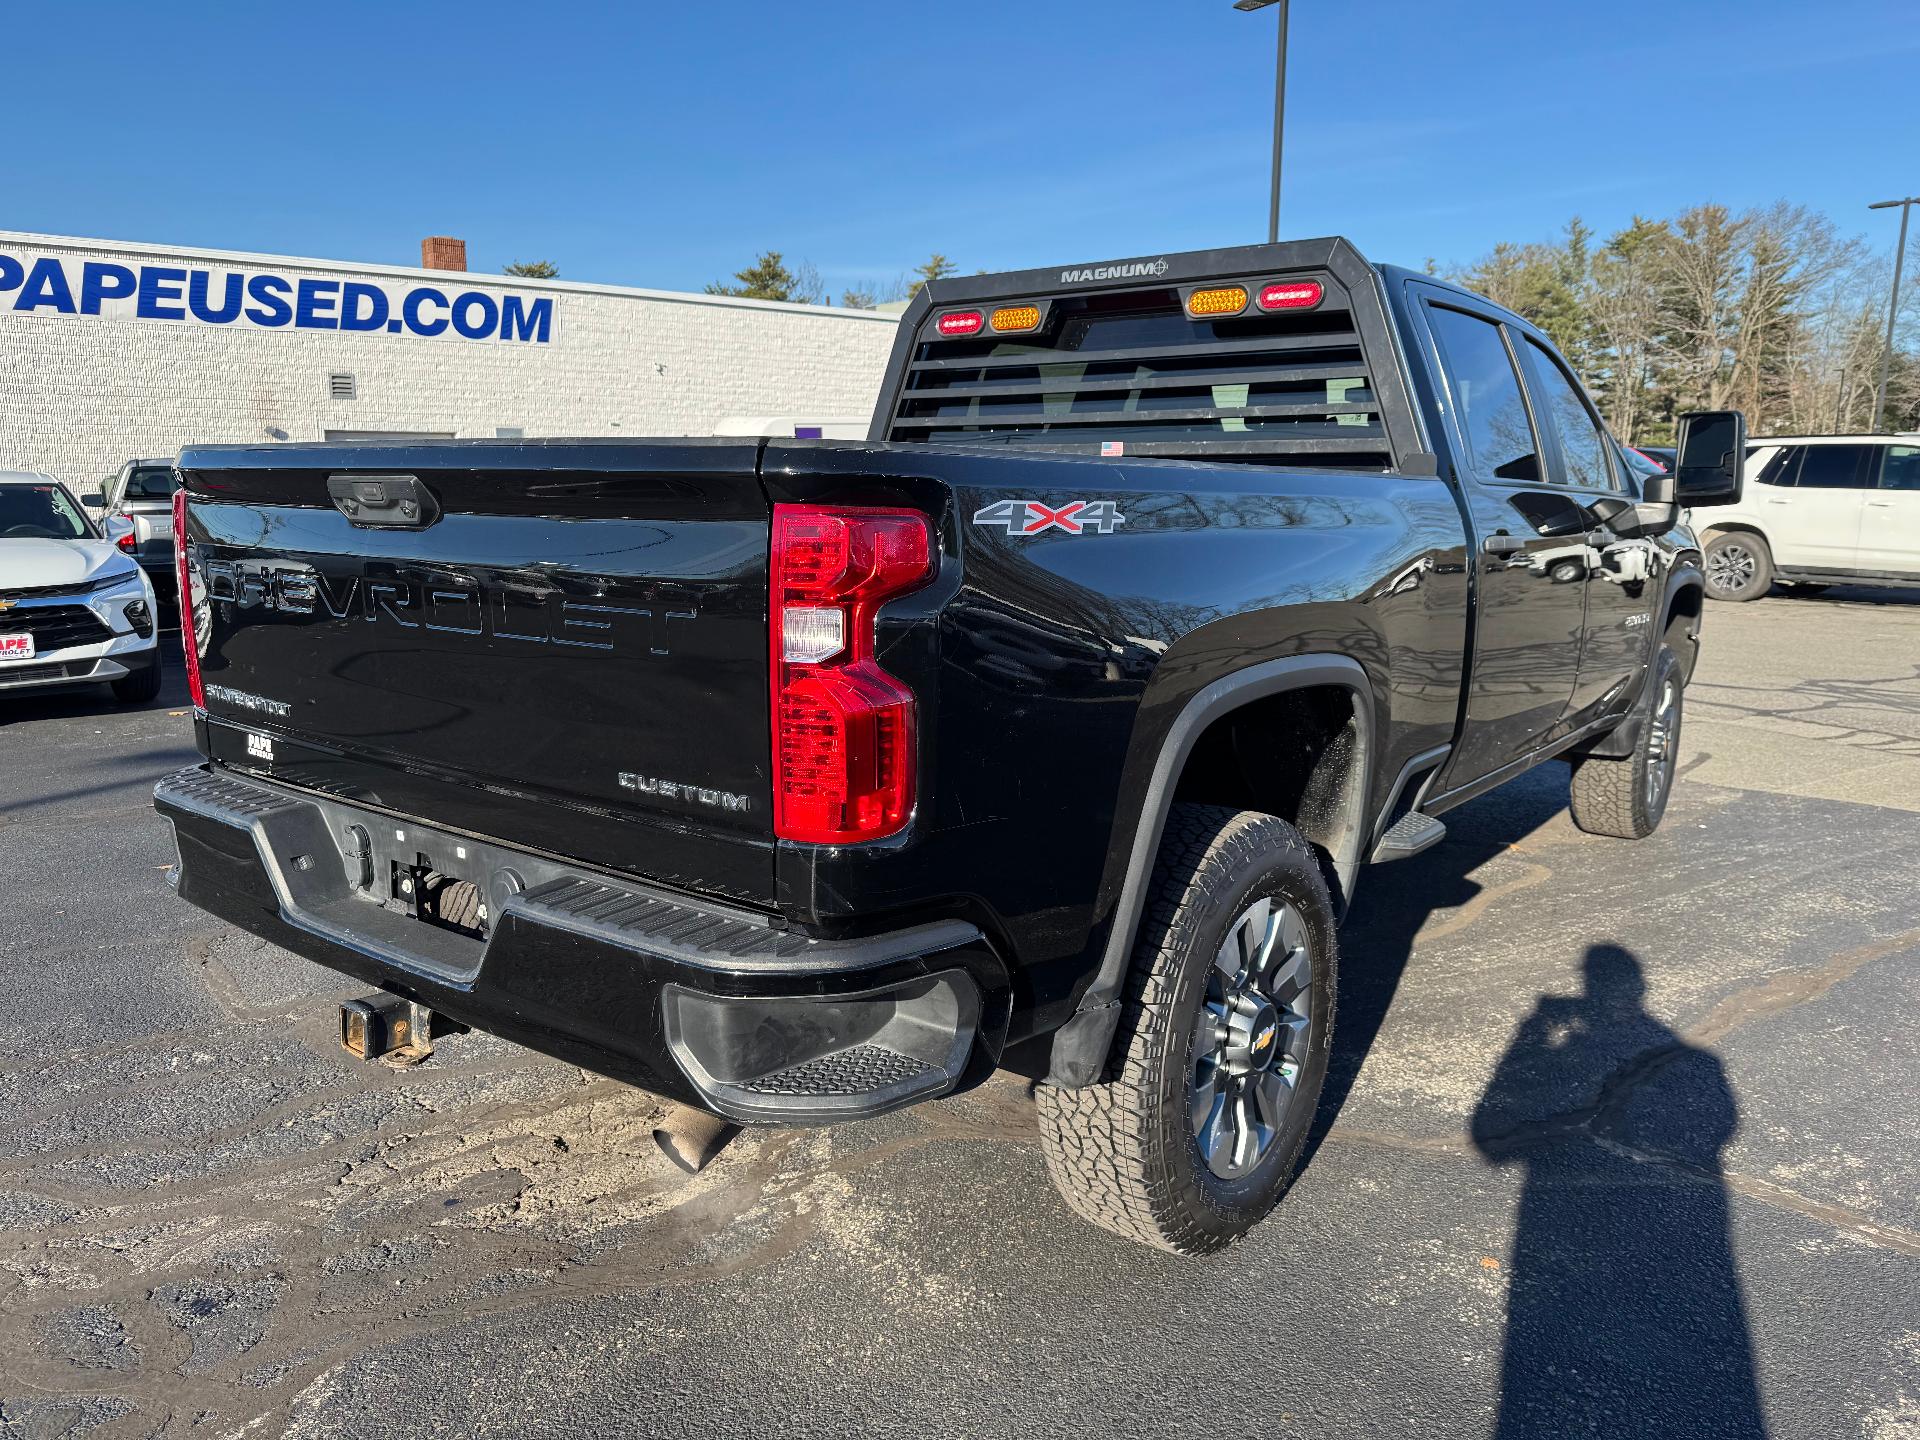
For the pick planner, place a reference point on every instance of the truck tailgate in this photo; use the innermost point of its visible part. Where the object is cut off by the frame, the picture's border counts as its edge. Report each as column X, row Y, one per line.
column 562, row 647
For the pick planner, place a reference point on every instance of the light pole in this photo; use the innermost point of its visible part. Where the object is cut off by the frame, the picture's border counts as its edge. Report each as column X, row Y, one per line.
column 1893, row 305
column 1279, row 108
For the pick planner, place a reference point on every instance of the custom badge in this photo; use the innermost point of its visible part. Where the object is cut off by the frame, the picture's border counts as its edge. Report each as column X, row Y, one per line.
column 1036, row 517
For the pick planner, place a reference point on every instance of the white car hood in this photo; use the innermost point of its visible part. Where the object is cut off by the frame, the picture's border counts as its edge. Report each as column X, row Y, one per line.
column 35, row 564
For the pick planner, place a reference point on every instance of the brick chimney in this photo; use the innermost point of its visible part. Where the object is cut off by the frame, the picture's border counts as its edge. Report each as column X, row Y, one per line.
column 443, row 252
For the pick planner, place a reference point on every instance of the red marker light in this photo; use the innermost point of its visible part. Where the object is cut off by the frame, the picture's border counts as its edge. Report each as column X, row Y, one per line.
column 1291, row 295
column 190, row 612
column 960, row 322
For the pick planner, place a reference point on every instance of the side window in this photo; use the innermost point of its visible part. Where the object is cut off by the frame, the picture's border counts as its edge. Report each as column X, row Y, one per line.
column 1782, row 466
column 1836, row 467
column 1581, row 443
column 1486, row 393
column 1902, row 470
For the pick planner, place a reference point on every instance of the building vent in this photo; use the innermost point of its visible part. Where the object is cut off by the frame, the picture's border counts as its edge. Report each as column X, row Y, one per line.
column 340, row 386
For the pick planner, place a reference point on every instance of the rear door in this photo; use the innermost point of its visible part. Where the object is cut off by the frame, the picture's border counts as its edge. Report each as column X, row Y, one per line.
column 1890, row 533
column 568, row 652
column 1813, row 505
column 1618, row 573
column 1532, row 558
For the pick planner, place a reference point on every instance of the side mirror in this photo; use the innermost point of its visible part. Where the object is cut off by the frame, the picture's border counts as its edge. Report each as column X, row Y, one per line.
column 1710, row 458
column 94, row 500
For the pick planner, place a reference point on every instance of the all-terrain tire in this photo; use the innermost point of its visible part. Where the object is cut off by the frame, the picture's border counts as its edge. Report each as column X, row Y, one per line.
column 1122, row 1151
column 1627, row 797
column 1739, row 566
column 138, row 687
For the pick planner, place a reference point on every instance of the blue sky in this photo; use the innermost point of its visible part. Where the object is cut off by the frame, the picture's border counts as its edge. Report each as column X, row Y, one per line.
column 663, row 144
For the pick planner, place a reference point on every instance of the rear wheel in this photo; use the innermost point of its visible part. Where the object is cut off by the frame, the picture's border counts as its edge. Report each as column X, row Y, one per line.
column 1190, row 1137
column 1627, row 797
column 1739, row 566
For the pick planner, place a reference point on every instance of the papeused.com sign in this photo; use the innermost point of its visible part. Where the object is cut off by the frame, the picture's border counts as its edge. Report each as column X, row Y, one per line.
column 33, row 284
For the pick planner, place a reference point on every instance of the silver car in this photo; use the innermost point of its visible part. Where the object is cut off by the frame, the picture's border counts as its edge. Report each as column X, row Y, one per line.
column 142, row 495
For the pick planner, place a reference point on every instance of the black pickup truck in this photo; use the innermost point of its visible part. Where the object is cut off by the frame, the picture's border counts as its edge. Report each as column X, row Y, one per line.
column 1049, row 729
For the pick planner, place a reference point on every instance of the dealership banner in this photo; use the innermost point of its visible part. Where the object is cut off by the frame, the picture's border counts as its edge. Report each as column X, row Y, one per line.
column 33, row 284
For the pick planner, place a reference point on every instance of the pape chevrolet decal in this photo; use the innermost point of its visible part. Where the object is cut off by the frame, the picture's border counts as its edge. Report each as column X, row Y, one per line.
column 1036, row 517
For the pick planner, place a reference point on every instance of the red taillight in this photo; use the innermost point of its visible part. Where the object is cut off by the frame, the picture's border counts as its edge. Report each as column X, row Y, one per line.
column 189, row 612
column 842, row 727
column 1291, row 295
column 960, row 322
column 128, row 542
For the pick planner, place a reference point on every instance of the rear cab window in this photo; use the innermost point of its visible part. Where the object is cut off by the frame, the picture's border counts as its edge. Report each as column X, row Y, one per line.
column 1487, row 397
column 152, row 482
column 1133, row 372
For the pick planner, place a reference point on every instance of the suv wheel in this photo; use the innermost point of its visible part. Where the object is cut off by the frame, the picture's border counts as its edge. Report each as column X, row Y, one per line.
column 137, row 687
column 1739, row 566
column 1190, row 1137
column 1626, row 797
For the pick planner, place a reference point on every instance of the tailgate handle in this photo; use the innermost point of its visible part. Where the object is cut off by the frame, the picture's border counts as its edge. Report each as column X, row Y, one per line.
column 385, row 502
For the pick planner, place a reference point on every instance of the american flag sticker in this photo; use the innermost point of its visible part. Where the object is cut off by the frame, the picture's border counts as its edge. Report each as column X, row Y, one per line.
column 1113, row 447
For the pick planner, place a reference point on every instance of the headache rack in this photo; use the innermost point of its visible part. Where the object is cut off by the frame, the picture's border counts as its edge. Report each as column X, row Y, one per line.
column 1114, row 360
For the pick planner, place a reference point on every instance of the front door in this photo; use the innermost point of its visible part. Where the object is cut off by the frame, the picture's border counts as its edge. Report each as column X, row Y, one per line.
column 1813, row 508
column 1624, row 576
column 1531, row 555
column 1890, row 530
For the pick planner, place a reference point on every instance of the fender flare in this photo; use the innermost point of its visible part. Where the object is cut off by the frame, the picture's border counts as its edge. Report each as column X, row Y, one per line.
column 1619, row 742
column 1080, row 1046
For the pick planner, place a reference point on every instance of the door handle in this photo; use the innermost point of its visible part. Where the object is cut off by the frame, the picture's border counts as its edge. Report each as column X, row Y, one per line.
column 1501, row 543
column 1881, row 504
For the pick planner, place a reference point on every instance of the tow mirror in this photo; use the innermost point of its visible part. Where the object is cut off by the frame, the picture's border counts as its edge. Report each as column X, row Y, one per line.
column 1710, row 458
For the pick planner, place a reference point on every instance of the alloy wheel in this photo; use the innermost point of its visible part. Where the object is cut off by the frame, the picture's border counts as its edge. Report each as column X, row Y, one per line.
column 1660, row 741
column 1731, row 568
column 1250, row 1040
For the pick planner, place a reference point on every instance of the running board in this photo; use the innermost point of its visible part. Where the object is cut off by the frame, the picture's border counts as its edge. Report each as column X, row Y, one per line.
column 1409, row 835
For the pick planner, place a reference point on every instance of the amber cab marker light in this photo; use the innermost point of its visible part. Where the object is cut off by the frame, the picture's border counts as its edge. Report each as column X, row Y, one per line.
column 1221, row 300
column 1015, row 319
column 960, row 322
column 1291, row 295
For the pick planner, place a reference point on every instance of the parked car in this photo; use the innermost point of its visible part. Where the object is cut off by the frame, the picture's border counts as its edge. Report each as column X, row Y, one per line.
column 1050, row 728
column 1819, row 509
column 1661, row 455
column 142, row 494
column 73, row 606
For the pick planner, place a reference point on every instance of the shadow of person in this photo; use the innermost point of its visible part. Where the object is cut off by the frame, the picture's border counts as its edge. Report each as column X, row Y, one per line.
column 1624, row 1308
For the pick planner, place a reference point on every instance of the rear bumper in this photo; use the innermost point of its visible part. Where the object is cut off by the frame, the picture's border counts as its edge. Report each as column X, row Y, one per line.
column 715, row 1007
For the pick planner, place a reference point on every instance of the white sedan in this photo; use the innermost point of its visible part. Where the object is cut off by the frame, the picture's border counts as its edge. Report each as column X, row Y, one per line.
column 73, row 606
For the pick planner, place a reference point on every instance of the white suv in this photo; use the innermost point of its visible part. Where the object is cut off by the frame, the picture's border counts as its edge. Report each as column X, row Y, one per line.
column 73, row 605
column 1819, row 510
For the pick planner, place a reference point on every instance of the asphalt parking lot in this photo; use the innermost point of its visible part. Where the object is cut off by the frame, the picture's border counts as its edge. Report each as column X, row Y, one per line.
column 1621, row 1140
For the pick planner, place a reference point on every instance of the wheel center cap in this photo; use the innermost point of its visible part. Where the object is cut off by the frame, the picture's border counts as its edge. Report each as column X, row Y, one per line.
column 1253, row 1034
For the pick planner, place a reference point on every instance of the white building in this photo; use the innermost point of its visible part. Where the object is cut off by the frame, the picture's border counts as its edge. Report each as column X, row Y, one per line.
column 111, row 350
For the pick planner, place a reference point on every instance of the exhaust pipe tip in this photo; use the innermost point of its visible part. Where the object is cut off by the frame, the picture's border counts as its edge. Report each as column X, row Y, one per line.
column 691, row 1138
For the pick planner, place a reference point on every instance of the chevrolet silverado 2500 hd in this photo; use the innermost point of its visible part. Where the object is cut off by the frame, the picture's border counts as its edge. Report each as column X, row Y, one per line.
column 1049, row 728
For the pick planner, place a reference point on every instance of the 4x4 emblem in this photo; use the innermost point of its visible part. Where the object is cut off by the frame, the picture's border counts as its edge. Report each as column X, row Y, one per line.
column 1033, row 517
